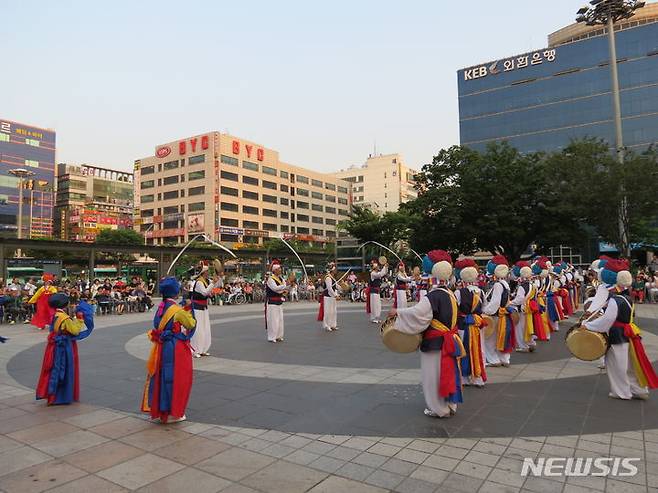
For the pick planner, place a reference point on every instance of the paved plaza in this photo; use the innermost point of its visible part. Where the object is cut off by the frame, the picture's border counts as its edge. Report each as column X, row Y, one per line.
column 319, row 412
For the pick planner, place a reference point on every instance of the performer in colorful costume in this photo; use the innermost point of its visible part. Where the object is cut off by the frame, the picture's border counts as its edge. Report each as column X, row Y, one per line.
column 629, row 369
column 200, row 290
column 373, row 298
column 328, row 313
column 43, row 313
column 470, row 322
column 59, row 381
column 274, row 288
column 500, row 344
column 522, row 300
column 401, row 280
column 556, row 288
column 537, row 305
column 435, row 316
column 425, row 277
column 169, row 367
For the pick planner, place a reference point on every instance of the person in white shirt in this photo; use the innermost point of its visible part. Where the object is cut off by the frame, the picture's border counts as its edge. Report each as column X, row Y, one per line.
column 274, row 289
column 328, row 313
column 500, row 344
column 401, row 281
column 374, row 302
column 200, row 290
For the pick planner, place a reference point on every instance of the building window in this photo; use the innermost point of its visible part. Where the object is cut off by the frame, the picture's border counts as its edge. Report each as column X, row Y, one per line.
column 342, row 201
column 342, row 189
column 147, row 199
column 227, row 175
column 269, row 198
column 302, row 179
column 227, row 206
column 31, row 163
column 284, row 188
column 316, row 183
column 284, row 228
column 229, row 191
column 249, row 180
column 147, row 170
column 284, row 201
column 228, row 160
column 233, row 223
column 283, row 174
column 303, row 192
column 170, row 165
column 229, row 238
column 330, row 186
column 269, row 227
column 196, row 175
column 302, row 231
column 170, row 180
column 330, row 222
column 147, row 213
column 284, row 215
column 330, row 198
column 302, row 218
column 250, row 210
column 196, row 191
column 147, row 184
column 5, row 138
column 196, row 206
column 249, row 166
column 316, row 207
column 172, row 209
column 249, row 195
column 269, row 171
column 197, row 159
column 317, row 220
column 269, row 213
column 318, row 232
column 316, row 195
column 330, row 233
column 250, row 224
column 269, row 184
column 342, row 212
column 170, row 195
column 302, row 205
column 330, row 210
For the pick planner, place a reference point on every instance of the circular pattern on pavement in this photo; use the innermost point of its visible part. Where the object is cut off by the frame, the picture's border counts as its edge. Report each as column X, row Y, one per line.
column 346, row 382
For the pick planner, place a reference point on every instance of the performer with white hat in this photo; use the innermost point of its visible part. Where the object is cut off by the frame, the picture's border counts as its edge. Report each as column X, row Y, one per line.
column 328, row 313
column 470, row 322
column 274, row 288
column 374, row 300
column 525, row 292
column 435, row 317
column 401, row 280
column 629, row 370
column 200, row 290
column 500, row 344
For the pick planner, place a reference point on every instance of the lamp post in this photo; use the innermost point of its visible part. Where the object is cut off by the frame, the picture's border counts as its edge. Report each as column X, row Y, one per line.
column 21, row 174
column 607, row 13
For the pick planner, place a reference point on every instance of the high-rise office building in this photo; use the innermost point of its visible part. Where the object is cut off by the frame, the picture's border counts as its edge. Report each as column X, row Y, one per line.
column 539, row 101
column 30, row 148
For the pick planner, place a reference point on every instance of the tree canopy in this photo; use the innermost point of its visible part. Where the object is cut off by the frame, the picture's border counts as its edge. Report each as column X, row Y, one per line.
column 119, row 237
column 503, row 201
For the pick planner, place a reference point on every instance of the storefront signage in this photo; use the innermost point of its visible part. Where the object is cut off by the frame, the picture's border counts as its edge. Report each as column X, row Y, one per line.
column 236, row 146
column 256, row 232
column 163, row 151
column 196, row 222
column 231, row 231
column 160, row 233
column 510, row 64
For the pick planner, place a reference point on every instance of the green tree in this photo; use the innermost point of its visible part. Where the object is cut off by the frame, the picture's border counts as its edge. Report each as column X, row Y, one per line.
column 119, row 237
column 591, row 184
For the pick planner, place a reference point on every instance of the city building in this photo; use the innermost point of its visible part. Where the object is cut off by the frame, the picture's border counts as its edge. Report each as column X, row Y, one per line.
column 235, row 190
column 31, row 151
column 91, row 199
column 539, row 101
column 382, row 183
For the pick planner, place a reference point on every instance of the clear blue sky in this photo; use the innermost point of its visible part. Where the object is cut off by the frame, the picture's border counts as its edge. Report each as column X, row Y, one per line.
column 317, row 81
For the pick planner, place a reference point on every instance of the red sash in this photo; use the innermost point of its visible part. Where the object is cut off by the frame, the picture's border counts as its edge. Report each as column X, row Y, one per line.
column 642, row 359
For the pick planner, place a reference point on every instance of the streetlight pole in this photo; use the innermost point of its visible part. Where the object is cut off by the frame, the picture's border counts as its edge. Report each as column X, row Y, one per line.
column 21, row 174
column 607, row 12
